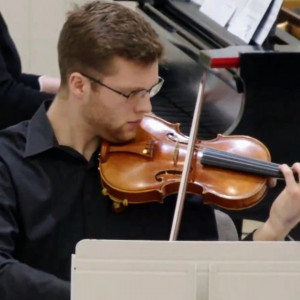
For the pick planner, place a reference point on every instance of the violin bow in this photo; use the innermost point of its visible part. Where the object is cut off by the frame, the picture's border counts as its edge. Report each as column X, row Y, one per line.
column 187, row 162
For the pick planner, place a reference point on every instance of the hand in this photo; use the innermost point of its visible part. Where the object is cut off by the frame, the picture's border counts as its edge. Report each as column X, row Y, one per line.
column 285, row 210
column 49, row 84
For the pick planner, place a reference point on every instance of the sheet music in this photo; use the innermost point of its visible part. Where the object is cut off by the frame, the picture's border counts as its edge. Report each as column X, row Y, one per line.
column 199, row 2
column 264, row 29
column 247, row 19
column 240, row 5
column 246, row 22
column 220, row 11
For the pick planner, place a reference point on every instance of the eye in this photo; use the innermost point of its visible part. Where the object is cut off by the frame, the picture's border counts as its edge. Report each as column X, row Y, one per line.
column 140, row 93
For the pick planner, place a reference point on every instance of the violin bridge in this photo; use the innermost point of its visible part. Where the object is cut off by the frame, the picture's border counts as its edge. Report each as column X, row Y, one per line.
column 148, row 150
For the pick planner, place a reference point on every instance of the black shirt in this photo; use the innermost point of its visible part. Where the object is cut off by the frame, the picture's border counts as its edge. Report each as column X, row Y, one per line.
column 50, row 198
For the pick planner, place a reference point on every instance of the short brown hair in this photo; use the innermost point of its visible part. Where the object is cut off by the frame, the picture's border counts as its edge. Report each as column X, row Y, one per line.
column 97, row 31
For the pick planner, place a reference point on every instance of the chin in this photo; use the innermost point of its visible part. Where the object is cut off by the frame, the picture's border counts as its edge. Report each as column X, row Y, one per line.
column 121, row 139
column 127, row 137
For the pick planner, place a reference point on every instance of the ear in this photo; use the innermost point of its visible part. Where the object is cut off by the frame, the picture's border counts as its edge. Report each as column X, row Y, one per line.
column 78, row 85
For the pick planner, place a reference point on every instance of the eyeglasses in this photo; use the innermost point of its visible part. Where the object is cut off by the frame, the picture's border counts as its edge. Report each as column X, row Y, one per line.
column 134, row 94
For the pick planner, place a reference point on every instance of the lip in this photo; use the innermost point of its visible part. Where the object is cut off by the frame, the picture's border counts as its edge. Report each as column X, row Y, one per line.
column 135, row 123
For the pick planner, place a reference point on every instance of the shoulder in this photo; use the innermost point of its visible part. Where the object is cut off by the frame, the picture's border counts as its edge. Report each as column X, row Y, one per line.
column 13, row 140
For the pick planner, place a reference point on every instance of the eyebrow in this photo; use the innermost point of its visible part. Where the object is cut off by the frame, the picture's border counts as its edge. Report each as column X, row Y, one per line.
column 135, row 89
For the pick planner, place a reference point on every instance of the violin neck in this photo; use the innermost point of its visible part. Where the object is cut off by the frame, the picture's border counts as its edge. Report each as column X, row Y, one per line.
column 225, row 160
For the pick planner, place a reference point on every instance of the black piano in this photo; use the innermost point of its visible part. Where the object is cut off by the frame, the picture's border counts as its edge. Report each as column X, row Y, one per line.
column 260, row 99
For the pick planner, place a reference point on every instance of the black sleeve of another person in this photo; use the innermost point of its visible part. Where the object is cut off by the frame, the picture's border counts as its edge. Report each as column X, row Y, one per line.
column 19, row 93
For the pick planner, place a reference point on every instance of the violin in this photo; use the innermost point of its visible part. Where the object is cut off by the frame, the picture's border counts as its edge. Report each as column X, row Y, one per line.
column 228, row 171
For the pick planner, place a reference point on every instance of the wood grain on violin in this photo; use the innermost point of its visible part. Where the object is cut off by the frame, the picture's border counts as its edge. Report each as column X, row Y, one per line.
column 228, row 171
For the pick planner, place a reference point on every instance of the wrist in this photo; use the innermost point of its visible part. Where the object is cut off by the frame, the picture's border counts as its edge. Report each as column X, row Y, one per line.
column 270, row 232
column 49, row 84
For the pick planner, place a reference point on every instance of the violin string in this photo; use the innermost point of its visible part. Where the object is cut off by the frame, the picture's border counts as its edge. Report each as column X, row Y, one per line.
column 239, row 158
column 245, row 161
column 241, row 165
column 222, row 159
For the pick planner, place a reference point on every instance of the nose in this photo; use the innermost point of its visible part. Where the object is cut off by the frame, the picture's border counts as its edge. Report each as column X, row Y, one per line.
column 143, row 105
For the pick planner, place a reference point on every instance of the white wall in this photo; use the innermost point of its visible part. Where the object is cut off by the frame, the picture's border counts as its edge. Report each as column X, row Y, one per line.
column 35, row 26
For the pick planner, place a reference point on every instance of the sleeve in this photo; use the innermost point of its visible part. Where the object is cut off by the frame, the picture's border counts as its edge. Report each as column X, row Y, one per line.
column 18, row 280
column 30, row 80
column 18, row 101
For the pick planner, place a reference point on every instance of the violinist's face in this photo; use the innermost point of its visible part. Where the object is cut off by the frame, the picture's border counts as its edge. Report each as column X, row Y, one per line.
column 112, row 116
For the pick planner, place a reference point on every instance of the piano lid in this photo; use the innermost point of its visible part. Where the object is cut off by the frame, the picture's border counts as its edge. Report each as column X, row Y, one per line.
column 184, row 16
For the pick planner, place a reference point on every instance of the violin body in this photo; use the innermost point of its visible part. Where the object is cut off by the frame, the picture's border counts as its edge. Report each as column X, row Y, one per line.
column 149, row 168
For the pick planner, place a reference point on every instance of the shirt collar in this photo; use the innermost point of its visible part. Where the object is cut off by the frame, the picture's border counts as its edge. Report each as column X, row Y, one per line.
column 40, row 135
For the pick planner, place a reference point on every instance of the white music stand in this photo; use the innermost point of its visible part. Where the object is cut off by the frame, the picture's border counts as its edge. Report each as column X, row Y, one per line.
column 161, row 270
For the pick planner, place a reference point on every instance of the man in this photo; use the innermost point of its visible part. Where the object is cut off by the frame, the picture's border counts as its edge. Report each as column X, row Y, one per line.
column 50, row 191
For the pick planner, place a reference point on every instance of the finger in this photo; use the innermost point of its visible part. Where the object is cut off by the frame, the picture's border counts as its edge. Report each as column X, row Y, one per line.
column 296, row 170
column 272, row 182
column 288, row 174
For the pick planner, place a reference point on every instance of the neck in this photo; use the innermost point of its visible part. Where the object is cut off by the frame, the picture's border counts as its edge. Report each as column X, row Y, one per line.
column 226, row 160
column 69, row 128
